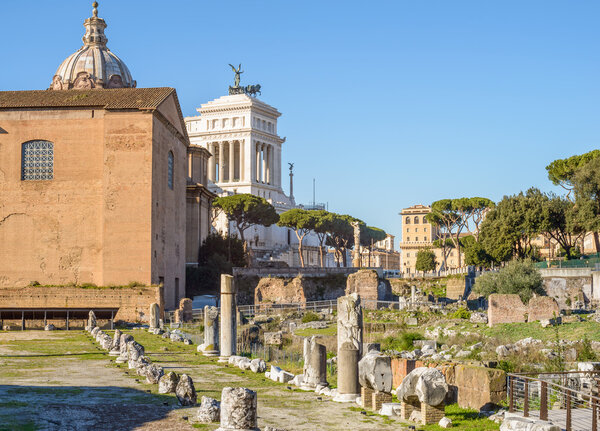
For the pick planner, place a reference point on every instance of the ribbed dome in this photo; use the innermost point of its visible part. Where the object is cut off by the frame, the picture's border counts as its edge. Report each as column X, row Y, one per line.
column 93, row 65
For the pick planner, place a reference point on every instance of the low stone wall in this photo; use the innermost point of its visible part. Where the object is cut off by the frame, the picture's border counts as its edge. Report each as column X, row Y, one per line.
column 472, row 387
column 571, row 285
column 456, row 287
column 297, row 289
column 505, row 308
column 133, row 302
column 508, row 308
column 369, row 286
column 309, row 271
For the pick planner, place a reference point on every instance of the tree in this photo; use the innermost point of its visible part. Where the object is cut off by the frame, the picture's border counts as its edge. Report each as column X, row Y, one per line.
column 475, row 253
column 586, row 183
column 246, row 210
column 340, row 234
column 454, row 216
column 446, row 245
column 302, row 221
column 562, row 171
column 369, row 235
column 425, row 260
column 560, row 222
column 217, row 255
column 519, row 276
column 322, row 226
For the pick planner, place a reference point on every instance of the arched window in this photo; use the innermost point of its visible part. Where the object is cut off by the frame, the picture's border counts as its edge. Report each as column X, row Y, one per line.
column 407, row 220
column 37, row 161
column 424, row 219
column 416, row 219
column 170, row 163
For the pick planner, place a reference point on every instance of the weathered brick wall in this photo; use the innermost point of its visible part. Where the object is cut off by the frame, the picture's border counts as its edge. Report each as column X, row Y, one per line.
column 363, row 282
column 542, row 307
column 505, row 308
column 455, row 287
column 133, row 302
column 297, row 289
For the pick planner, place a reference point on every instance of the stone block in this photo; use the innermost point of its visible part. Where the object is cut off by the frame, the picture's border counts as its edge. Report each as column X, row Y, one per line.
column 542, row 308
column 365, row 397
column 378, row 399
column 432, row 414
column 479, row 387
column 505, row 308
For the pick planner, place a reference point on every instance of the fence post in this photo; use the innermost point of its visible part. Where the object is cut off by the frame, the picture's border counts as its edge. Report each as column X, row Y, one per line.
column 511, row 400
column 526, row 399
column 568, row 410
column 544, row 401
column 594, row 414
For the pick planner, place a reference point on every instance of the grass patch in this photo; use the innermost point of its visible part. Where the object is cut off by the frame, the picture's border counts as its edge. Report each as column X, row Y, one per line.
column 464, row 420
column 330, row 330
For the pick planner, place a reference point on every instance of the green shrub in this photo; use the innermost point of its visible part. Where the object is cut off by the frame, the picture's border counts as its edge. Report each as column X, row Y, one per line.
column 520, row 277
column 586, row 353
column 310, row 317
column 402, row 341
column 461, row 313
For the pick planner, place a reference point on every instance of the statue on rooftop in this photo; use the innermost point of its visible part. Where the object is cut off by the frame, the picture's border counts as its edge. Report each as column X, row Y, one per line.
column 237, row 72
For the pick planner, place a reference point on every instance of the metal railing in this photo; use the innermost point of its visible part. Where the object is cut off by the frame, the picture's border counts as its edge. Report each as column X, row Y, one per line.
column 568, row 399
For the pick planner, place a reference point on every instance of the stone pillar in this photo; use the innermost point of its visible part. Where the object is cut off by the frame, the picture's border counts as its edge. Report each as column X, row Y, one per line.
column 315, row 364
column 366, row 396
column 238, row 410
column 349, row 341
column 231, row 161
column 228, row 336
column 211, row 331
column 211, row 161
column 269, row 151
column 221, row 162
column 263, row 149
column 356, row 252
column 413, row 294
column 258, row 162
column 91, row 323
column 154, row 316
column 242, row 161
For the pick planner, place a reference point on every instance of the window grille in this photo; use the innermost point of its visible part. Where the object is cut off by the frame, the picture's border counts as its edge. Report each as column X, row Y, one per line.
column 37, row 161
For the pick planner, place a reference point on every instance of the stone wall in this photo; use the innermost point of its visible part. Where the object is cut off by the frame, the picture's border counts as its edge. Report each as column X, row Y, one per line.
column 133, row 302
column 505, row 308
column 542, row 307
column 471, row 386
column 570, row 285
column 297, row 289
column 369, row 286
column 456, row 287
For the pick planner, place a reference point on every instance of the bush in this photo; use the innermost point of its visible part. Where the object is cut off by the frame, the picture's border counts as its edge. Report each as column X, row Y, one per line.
column 403, row 341
column 310, row 317
column 461, row 313
column 520, row 277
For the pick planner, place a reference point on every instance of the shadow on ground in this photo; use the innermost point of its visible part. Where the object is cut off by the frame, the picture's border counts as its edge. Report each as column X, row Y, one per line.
column 68, row 408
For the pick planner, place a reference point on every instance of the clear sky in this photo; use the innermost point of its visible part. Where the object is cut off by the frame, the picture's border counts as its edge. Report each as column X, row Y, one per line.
column 386, row 103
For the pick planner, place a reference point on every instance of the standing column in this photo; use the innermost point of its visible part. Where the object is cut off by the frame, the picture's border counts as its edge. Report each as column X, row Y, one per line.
column 211, row 162
column 349, row 341
column 270, row 164
column 210, row 346
column 231, row 160
column 315, row 364
column 264, row 163
column 242, row 162
column 257, row 162
column 221, row 161
column 228, row 338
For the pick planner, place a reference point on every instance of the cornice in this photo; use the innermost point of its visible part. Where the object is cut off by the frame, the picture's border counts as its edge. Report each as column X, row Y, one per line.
column 237, row 134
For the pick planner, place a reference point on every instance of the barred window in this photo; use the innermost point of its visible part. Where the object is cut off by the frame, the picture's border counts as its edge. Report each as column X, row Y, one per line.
column 170, row 170
column 37, row 161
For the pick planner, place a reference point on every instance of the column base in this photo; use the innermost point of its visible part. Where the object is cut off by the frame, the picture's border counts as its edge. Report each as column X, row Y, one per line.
column 211, row 353
column 346, row 398
column 223, row 359
column 112, row 353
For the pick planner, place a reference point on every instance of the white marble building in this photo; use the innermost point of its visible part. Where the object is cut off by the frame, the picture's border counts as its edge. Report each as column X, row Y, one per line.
column 240, row 132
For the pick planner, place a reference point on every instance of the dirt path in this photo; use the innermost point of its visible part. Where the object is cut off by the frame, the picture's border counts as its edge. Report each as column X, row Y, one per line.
column 63, row 381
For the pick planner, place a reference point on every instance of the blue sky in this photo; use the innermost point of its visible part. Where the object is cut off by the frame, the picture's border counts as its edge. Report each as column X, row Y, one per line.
column 386, row 103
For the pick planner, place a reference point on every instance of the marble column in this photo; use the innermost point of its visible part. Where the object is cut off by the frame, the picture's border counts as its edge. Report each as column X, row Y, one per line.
column 263, row 149
column 228, row 336
column 221, row 161
column 257, row 171
column 210, row 346
column 231, row 161
column 154, row 316
column 211, row 162
column 270, row 164
column 349, row 341
column 242, row 162
column 315, row 364
column 238, row 410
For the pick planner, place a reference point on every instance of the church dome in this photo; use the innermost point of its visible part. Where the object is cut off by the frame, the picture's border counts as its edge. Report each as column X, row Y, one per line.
column 93, row 65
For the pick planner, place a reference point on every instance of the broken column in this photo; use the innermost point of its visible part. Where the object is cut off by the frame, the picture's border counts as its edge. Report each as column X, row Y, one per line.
column 123, row 355
column 91, row 323
column 154, row 316
column 315, row 364
column 115, row 348
column 349, row 341
column 375, row 378
column 228, row 333
column 210, row 347
column 423, row 390
column 238, row 410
